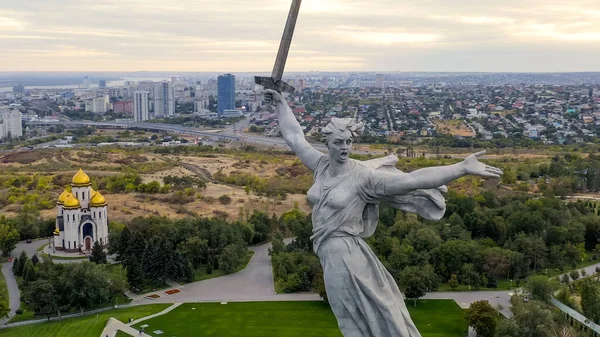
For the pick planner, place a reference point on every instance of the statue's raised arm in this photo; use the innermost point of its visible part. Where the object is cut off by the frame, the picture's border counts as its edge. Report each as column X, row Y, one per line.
column 291, row 131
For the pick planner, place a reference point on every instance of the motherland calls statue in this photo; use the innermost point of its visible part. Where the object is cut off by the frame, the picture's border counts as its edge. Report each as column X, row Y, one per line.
column 345, row 196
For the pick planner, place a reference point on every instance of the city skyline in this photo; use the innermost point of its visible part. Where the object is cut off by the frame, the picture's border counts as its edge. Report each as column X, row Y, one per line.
column 331, row 35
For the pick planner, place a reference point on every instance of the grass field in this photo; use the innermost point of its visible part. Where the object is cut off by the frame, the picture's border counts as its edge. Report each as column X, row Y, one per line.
column 438, row 318
column 90, row 326
column 3, row 289
column 291, row 319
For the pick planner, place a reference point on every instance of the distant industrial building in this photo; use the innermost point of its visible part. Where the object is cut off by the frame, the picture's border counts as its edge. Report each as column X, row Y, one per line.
column 225, row 93
column 140, row 106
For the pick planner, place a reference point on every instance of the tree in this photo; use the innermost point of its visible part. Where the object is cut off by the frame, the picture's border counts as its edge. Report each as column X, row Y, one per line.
column 541, row 287
column 195, row 250
column 563, row 295
column 190, row 274
column 414, row 289
column 590, row 300
column 122, row 245
column 35, row 259
column 42, row 293
column 483, row 318
column 533, row 319
column 29, row 271
column 19, row 264
column 9, row 237
column 98, row 255
column 469, row 276
column 135, row 275
column 277, row 244
column 88, row 284
column 231, row 257
column 161, row 262
column 453, row 281
column 117, row 280
column 574, row 274
column 209, row 265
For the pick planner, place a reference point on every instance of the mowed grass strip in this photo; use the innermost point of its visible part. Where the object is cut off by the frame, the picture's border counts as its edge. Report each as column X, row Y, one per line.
column 3, row 288
column 434, row 318
column 438, row 318
column 248, row 319
column 88, row 326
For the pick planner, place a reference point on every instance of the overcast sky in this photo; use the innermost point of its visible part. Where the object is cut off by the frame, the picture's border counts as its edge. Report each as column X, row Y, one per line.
column 331, row 35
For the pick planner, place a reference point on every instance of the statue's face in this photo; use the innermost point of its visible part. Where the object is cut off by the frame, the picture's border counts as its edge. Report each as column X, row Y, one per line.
column 339, row 144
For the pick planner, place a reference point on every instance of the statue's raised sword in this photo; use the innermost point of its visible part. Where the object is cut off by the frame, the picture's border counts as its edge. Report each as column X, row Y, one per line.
column 274, row 82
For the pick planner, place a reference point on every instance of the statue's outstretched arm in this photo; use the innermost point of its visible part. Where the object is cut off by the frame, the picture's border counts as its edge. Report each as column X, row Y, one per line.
column 291, row 131
column 432, row 177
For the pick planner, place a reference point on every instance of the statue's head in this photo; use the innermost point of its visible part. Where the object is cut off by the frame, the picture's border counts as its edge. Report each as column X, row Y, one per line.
column 339, row 135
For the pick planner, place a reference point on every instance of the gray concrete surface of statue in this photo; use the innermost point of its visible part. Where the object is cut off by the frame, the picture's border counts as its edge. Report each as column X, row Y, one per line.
column 345, row 199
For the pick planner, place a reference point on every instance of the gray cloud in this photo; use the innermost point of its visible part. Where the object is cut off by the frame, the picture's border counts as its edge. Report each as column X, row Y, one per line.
column 236, row 35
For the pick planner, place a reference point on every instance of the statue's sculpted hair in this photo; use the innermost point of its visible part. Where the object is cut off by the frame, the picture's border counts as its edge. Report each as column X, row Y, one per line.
column 342, row 124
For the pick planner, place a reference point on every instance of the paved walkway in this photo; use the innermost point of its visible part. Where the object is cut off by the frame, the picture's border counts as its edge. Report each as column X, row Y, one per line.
column 254, row 283
column 464, row 299
column 14, row 297
column 114, row 325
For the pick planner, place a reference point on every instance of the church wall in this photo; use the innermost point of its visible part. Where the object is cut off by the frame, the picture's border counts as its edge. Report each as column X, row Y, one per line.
column 99, row 214
column 83, row 194
column 71, row 233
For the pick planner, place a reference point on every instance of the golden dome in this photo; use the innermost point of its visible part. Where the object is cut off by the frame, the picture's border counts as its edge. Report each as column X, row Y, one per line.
column 98, row 200
column 81, row 179
column 63, row 196
column 72, row 202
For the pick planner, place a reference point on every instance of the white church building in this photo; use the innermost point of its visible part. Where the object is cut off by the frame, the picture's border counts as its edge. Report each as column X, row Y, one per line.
column 82, row 217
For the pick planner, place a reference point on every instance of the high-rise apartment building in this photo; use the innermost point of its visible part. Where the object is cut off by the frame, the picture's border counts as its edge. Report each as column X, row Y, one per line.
column 18, row 89
column 85, row 84
column 102, row 84
column 10, row 124
column 140, row 106
column 100, row 104
column 225, row 93
column 164, row 99
column 379, row 81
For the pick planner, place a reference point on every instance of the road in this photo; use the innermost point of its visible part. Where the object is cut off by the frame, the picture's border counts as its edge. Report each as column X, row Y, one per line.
column 14, row 297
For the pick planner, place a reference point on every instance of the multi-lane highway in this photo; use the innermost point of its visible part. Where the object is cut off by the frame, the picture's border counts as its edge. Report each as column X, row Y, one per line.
column 226, row 134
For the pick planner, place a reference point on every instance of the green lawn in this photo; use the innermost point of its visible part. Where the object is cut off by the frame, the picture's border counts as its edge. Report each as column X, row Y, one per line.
column 122, row 334
column 90, row 326
column 438, row 318
column 291, row 319
column 3, row 289
column 201, row 274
